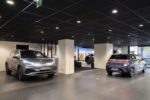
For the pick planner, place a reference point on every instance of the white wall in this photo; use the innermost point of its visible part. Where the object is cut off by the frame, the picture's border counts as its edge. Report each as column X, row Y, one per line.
column 66, row 56
column 6, row 48
column 102, row 54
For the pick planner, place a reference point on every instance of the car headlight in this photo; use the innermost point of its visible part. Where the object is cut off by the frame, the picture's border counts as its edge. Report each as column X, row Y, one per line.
column 50, row 63
column 125, row 65
column 27, row 62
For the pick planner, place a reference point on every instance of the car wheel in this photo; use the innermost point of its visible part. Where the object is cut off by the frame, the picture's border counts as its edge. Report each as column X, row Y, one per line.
column 50, row 75
column 143, row 71
column 8, row 72
column 131, row 73
column 109, row 73
column 20, row 74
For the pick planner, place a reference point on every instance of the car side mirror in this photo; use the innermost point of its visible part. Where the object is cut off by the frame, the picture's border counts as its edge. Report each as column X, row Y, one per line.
column 15, row 57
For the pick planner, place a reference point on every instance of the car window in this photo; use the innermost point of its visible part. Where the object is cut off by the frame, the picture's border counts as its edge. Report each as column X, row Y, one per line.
column 32, row 54
column 119, row 57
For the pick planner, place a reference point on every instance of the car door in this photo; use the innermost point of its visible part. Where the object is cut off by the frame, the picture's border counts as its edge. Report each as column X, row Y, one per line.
column 10, row 60
column 140, row 64
column 135, row 63
column 15, row 60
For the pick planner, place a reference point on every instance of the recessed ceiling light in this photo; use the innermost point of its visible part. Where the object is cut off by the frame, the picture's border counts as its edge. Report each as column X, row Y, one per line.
column 93, row 39
column 128, row 35
column 57, row 28
column 141, row 25
column 12, row 36
column 72, row 36
column 114, row 11
column 42, row 32
column 10, row 2
column 43, row 39
column 78, row 21
column 110, row 30
column 108, row 37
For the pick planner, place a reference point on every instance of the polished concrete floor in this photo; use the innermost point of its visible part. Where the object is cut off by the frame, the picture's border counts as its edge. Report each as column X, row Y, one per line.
column 85, row 85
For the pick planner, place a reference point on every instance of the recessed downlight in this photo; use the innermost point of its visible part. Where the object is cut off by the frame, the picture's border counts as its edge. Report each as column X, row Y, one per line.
column 128, row 35
column 141, row 25
column 42, row 32
column 110, row 30
column 108, row 37
column 10, row 2
column 57, row 28
column 114, row 11
column 43, row 39
column 12, row 36
column 78, row 21
column 72, row 36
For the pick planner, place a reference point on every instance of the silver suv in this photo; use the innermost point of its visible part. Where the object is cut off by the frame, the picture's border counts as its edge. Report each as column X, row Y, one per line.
column 126, row 64
column 29, row 63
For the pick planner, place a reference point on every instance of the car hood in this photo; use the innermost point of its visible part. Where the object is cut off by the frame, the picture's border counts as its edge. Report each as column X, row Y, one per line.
column 38, row 60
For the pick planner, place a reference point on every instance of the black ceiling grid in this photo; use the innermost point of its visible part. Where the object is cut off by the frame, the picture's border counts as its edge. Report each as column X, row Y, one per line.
column 95, row 16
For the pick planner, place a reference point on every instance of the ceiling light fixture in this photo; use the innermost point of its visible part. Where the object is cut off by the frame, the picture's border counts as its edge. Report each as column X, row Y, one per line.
column 72, row 36
column 0, row 17
column 43, row 39
column 57, row 28
column 89, row 34
column 78, row 21
column 42, row 32
column 114, row 11
column 141, row 25
column 110, row 30
column 12, row 36
column 10, row 2
column 128, row 35
column 108, row 37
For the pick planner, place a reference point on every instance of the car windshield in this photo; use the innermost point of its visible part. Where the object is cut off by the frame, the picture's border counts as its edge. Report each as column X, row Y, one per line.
column 32, row 54
column 119, row 57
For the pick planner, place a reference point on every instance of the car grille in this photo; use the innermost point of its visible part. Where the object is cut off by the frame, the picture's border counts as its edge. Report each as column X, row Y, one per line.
column 116, row 65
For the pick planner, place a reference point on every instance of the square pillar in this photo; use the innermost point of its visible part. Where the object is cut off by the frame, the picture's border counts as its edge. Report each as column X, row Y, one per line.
column 103, row 52
column 66, row 56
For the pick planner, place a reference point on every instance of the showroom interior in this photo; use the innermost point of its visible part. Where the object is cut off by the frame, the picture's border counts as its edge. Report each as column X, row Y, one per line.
column 77, row 39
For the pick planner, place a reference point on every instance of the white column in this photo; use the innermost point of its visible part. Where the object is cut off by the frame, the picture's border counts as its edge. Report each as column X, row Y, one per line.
column 124, row 49
column 66, row 56
column 102, row 54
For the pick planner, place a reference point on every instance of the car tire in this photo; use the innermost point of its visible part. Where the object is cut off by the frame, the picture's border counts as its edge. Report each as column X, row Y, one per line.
column 20, row 74
column 132, row 72
column 50, row 75
column 143, row 71
column 109, row 73
column 8, row 71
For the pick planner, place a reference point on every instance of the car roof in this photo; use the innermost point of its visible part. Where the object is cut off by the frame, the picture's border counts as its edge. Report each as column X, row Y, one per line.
column 24, row 50
column 124, row 54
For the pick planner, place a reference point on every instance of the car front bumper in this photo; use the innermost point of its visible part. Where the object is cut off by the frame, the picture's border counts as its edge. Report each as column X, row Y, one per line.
column 37, row 71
